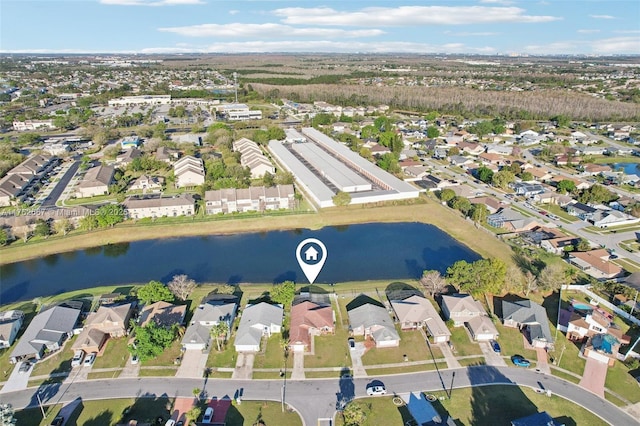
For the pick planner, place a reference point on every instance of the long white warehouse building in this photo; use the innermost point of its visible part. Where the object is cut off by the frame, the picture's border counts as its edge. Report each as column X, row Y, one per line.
column 322, row 167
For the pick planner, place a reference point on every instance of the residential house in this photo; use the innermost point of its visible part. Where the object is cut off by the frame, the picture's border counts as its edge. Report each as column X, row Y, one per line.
column 528, row 189
column 595, row 263
column 492, row 204
column 47, row 332
column 107, row 321
column 95, row 182
column 164, row 314
column 128, row 156
column 512, row 220
column 581, row 210
column 257, row 320
column 255, row 198
column 459, row 160
column 416, row 312
column 540, row 174
column 36, row 165
column 195, row 139
column 251, row 156
column 189, row 172
column 309, row 319
column 10, row 323
column 13, row 187
column 214, row 309
column 166, row 154
column 604, row 219
column 145, row 183
column 531, row 318
column 140, row 207
column 463, row 310
column 559, row 244
column 369, row 318
column 593, row 169
column 603, row 347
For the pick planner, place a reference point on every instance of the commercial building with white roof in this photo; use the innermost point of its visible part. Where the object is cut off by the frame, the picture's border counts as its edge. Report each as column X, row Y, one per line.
column 322, row 167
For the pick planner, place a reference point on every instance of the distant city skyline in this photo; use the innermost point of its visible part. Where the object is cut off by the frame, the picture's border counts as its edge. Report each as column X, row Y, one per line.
column 535, row 27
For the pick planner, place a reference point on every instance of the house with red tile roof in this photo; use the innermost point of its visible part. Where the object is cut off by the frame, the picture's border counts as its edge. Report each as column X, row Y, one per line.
column 309, row 319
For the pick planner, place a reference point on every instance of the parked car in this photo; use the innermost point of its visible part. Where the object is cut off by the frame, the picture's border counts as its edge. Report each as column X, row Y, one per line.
column 520, row 361
column 24, row 367
column 90, row 359
column 78, row 356
column 134, row 359
column 352, row 342
column 495, row 346
column 376, row 387
column 208, row 415
column 58, row 421
column 376, row 390
column 170, row 422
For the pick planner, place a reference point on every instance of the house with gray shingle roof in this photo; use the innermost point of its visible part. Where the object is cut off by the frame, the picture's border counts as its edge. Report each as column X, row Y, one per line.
column 209, row 313
column 530, row 317
column 257, row 320
column 47, row 332
column 416, row 311
column 369, row 318
column 95, row 182
column 10, row 323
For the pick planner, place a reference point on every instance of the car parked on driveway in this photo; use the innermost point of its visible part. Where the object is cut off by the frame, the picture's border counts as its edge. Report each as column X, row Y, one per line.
column 78, row 356
column 520, row 361
column 90, row 359
column 24, row 367
column 58, row 421
column 495, row 346
column 208, row 415
column 352, row 342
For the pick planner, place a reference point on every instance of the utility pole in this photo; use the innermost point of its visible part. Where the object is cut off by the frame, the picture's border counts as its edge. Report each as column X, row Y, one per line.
column 559, row 304
column 453, row 376
column 41, row 407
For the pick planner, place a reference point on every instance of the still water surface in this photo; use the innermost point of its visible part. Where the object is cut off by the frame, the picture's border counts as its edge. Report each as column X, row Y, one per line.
column 356, row 252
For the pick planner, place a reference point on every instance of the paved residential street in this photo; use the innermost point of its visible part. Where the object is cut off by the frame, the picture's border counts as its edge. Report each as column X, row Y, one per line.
column 323, row 392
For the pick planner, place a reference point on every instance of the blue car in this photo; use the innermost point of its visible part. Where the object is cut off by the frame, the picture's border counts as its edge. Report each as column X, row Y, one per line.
column 495, row 346
column 520, row 361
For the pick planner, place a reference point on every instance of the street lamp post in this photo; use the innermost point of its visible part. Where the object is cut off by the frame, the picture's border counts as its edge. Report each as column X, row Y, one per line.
column 284, row 383
column 453, row 376
column 40, row 404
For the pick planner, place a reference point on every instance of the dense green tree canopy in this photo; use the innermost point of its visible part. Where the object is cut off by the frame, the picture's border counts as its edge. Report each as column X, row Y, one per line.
column 151, row 340
column 284, row 293
column 155, row 291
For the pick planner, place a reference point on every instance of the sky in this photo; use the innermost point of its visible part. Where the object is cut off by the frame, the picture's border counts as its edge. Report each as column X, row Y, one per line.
column 537, row 27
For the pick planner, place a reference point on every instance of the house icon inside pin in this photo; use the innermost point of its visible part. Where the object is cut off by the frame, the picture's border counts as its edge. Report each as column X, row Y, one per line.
column 311, row 254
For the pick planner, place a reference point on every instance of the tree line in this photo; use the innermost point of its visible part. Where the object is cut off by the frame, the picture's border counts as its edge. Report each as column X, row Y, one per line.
column 528, row 105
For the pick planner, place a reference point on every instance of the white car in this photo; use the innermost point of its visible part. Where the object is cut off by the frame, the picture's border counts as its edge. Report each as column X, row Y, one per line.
column 78, row 356
column 376, row 390
column 90, row 359
column 208, row 415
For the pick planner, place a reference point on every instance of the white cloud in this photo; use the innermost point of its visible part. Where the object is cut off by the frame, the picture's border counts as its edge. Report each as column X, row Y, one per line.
column 627, row 31
column 616, row 45
column 588, row 31
column 503, row 2
column 238, row 30
column 234, row 12
column 151, row 2
column 409, row 15
column 471, row 34
column 602, row 17
column 261, row 46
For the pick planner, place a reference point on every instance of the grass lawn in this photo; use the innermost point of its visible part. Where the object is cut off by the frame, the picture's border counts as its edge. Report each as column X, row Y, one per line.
column 166, row 358
column 99, row 413
column 570, row 359
column 114, row 355
column 621, row 382
column 476, row 360
column 479, row 406
column 249, row 412
column 405, row 369
column 158, row 372
column 512, row 342
column 330, row 351
column 323, row 374
column 103, row 375
column 565, row 376
column 411, row 344
column 225, row 358
column 462, row 344
column 273, row 354
column 57, row 363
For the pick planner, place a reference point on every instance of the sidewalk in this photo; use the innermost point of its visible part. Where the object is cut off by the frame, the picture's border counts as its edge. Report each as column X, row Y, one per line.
column 452, row 361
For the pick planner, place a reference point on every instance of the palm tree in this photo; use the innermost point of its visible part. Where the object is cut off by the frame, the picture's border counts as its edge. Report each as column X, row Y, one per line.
column 218, row 331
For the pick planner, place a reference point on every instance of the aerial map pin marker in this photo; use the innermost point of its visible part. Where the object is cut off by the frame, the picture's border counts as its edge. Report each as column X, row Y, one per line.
column 312, row 259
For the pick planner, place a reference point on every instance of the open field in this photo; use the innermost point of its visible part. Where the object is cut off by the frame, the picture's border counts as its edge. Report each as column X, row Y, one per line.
column 427, row 211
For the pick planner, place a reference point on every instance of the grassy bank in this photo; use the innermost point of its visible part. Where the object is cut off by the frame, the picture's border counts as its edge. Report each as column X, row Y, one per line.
column 426, row 211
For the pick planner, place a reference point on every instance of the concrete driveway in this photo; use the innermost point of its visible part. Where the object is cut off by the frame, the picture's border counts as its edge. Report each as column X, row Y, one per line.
column 594, row 375
column 491, row 357
column 17, row 380
column 194, row 361
column 244, row 366
column 356, row 359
